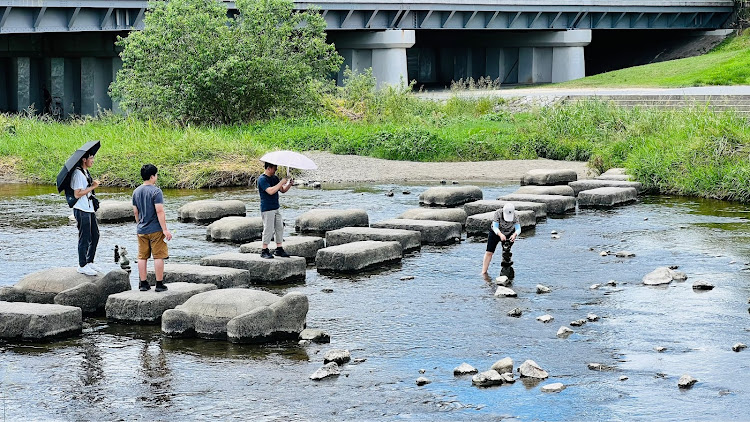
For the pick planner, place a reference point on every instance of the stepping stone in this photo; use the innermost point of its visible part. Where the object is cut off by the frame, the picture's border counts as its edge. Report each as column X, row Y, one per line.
column 546, row 190
column 321, row 220
column 357, row 256
column 35, row 321
column 260, row 270
column 556, row 204
column 221, row 277
column 115, row 212
column 456, row 215
column 238, row 315
column 235, row 229
column 480, row 207
column 479, row 224
column 432, row 232
column 450, row 196
column 606, row 197
column 589, row 184
column 410, row 240
column 147, row 307
column 545, row 177
column 66, row 286
column 304, row 246
column 614, row 174
column 209, row 210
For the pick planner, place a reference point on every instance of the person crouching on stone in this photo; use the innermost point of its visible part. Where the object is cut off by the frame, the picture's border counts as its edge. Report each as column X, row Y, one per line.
column 505, row 228
column 148, row 207
column 83, row 187
column 269, row 187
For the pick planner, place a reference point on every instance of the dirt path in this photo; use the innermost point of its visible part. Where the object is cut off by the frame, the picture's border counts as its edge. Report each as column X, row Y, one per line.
column 352, row 168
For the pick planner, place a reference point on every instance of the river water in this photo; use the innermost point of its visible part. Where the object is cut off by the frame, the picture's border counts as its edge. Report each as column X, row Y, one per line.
column 446, row 315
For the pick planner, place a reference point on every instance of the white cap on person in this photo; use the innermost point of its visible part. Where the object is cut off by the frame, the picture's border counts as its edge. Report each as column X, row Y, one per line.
column 509, row 212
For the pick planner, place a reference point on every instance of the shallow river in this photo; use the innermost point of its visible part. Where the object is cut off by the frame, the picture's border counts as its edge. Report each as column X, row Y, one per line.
column 446, row 315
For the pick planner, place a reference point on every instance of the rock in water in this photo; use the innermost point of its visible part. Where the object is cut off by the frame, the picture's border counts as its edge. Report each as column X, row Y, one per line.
column 564, row 332
column 545, row 318
column 530, row 369
column 553, row 388
column 540, row 289
column 702, row 285
column 503, row 365
column 339, row 356
column 578, row 322
column 515, row 313
column 328, row 370
column 423, row 381
column 464, row 369
column 739, row 346
column 592, row 317
column 686, row 381
column 505, row 292
column 487, row 379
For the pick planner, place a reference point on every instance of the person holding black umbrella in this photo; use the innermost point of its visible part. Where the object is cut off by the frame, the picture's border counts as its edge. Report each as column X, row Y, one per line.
column 83, row 186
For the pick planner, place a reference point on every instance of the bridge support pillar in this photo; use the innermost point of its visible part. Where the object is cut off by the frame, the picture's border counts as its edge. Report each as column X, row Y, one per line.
column 96, row 75
column 20, row 76
column 384, row 51
column 65, row 87
column 553, row 57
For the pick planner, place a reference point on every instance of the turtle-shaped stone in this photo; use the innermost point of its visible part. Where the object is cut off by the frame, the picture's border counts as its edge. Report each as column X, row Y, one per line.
column 238, row 315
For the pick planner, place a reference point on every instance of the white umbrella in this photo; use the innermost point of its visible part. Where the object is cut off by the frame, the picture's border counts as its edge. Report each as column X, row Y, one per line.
column 289, row 159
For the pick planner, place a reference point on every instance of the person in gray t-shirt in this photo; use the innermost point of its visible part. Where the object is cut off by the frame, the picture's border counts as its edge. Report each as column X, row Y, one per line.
column 505, row 228
column 148, row 207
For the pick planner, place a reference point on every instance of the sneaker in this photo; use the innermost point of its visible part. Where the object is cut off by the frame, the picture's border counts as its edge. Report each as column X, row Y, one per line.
column 160, row 287
column 281, row 252
column 144, row 286
column 95, row 267
column 87, row 270
column 265, row 253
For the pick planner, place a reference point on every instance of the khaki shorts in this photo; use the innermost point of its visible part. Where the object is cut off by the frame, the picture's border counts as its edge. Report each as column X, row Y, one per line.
column 152, row 243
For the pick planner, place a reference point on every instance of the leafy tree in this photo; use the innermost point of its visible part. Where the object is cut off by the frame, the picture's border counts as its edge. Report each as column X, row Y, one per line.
column 193, row 64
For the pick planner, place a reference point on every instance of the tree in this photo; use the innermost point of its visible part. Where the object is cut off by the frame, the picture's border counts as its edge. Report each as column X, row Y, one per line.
column 193, row 64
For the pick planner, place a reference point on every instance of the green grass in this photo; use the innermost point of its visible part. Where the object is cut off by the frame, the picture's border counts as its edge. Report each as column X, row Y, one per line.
column 727, row 64
column 692, row 151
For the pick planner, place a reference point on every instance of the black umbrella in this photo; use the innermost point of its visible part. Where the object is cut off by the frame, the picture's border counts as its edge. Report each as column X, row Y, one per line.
column 89, row 147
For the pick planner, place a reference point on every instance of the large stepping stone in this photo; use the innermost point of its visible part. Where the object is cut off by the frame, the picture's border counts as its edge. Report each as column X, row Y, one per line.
column 547, row 190
column 147, row 307
column 479, row 224
column 221, row 277
column 235, row 229
column 410, row 240
column 450, row 196
column 614, row 174
column 589, row 184
column 432, row 232
column 66, row 286
column 208, row 210
column 35, row 321
column 115, row 212
column 357, row 256
column 480, row 207
column 606, row 197
column 556, row 204
column 545, row 177
column 261, row 270
column 321, row 220
column 238, row 315
column 456, row 215
column 304, row 246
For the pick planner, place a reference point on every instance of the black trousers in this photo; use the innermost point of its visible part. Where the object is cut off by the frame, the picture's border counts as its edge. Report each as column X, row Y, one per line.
column 88, row 236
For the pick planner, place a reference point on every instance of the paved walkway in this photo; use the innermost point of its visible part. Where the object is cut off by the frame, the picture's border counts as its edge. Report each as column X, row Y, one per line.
column 590, row 92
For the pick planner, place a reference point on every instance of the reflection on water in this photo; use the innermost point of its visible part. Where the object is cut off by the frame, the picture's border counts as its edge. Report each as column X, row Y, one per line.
column 445, row 315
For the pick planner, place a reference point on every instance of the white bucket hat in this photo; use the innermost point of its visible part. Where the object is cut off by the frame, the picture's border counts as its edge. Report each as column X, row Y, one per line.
column 509, row 212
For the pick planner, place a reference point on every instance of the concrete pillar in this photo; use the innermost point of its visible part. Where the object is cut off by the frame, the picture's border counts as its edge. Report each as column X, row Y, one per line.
column 534, row 65
column 355, row 59
column 20, row 84
column 96, row 75
column 567, row 64
column 4, row 85
column 387, row 53
column 116, row 66
column 64, row 87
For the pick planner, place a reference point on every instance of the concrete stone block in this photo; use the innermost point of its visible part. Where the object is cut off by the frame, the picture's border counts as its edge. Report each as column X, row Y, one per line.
column 479, row 224
column 221, row 277
column 320, row 220
column 549, row 177
column 556, row 204
column 432, row 232
column 480, row 207
column 272, row 271
column 35, row 322
column 238, row 315
column 449, row 196
column 357, row 256
column 410, row 240
column 606, row 197
column 589, row 184
column 209, row 210
column 235, row 229
column 614, row 174
column 304, row 246
column 147, row 307
column 115, row 212
column 456, row 215
column 546, row 190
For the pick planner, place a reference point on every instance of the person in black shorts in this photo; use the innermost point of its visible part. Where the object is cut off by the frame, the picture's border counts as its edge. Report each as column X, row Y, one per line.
column 505, row 228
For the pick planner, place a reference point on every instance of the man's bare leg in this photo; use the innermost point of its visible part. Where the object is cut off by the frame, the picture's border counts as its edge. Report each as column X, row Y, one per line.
column 486, row 262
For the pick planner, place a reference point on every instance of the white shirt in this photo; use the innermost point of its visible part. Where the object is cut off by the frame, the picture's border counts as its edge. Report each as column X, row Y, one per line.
column 79, row 181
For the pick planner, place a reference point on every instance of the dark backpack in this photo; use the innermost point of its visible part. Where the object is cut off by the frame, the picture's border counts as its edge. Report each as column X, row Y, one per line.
column 70, row 196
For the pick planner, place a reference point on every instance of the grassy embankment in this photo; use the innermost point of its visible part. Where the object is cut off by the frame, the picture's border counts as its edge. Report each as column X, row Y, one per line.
column 727, row 64
column 690, row 152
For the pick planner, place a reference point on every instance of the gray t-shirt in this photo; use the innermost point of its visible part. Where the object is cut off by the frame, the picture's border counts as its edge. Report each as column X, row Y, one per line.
column 506, row 227
column 145, row 197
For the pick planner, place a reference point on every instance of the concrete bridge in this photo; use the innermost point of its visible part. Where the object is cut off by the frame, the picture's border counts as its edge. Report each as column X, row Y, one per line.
column 59, row 55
